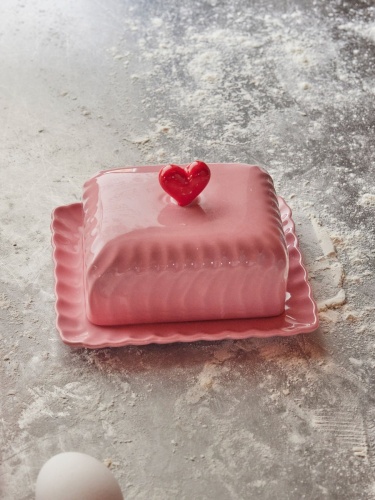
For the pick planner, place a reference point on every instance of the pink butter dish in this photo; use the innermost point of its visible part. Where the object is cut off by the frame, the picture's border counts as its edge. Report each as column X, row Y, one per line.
column 210, row 253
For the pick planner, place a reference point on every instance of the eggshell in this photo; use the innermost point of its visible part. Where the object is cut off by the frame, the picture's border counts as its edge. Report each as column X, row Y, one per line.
column 76, row 476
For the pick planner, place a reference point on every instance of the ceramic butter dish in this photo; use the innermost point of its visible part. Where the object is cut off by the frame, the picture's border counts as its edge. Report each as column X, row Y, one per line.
column 149, row 260
column 162, row 254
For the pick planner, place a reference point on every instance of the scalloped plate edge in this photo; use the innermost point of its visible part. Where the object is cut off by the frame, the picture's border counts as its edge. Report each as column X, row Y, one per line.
column 75, row 330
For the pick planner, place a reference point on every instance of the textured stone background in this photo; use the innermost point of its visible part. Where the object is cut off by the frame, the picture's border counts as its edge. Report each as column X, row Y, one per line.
column 289, row 84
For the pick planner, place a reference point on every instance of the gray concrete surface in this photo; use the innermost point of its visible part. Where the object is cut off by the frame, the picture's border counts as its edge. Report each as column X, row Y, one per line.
column 86, row 85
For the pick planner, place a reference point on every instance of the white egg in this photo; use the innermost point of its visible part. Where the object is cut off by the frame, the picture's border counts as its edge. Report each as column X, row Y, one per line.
column 76, row 476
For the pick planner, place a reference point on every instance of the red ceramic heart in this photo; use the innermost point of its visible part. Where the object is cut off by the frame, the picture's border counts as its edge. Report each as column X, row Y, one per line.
column 184, row 184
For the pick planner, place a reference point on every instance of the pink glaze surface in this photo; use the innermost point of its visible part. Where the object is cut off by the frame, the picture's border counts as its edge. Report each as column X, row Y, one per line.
column 300, row 315
column 148, row 260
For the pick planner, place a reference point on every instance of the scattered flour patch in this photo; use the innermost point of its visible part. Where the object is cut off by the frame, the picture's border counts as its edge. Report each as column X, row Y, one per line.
column 324, row 239
column 333, row 302
column 367, row 200
column 206, row 382
column 38, row 409
column 345, row 425
column 366, row 30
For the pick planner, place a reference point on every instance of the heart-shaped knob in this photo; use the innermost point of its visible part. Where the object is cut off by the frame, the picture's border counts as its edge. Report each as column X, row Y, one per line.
column 184, row 184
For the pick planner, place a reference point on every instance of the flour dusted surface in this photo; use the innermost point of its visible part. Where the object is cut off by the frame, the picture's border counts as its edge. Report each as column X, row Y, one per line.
column 287, row 84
